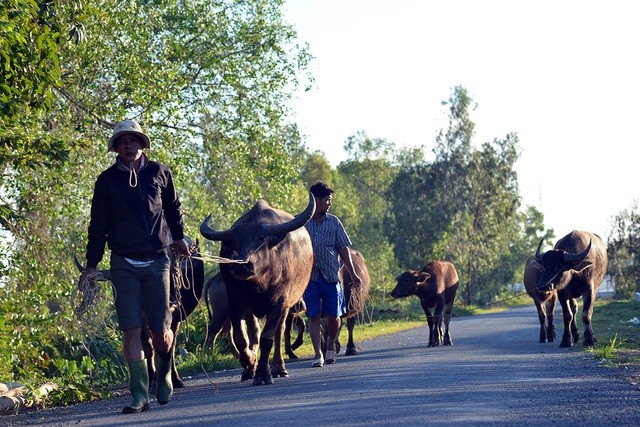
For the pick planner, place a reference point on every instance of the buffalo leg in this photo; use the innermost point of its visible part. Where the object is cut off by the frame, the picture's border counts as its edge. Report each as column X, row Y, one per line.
column 288, row 325
column 575, row 333
column 568, row 317
column 301, row 326
column 278, row 368
column 550, row 308
column 271, row 334
column 246, row 356
column 437, row 321
column 147, row 348
column 542, row 318
column 587, row 312
column 351, row 345
column 175, row 376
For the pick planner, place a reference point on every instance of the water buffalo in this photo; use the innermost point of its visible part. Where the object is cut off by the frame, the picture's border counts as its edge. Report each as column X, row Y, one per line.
column 356, row 297
column 182, row 305
column 575, row 268
column 544, row 300
column 215, row 296
column 274, row 258
column 436, row 285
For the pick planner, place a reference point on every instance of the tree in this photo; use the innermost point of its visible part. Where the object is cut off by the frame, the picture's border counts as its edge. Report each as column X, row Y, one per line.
column 362, row 204
column 316, row 167
column 31, row 37
column 623, row 247
column 463, row 206
column 194, row 74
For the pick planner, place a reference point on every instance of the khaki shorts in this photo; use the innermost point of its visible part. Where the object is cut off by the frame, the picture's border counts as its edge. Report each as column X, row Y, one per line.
column 142, row 293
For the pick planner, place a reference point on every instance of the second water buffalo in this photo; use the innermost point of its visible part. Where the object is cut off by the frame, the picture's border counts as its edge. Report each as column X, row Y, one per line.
column 436, row 285
column 575, row 268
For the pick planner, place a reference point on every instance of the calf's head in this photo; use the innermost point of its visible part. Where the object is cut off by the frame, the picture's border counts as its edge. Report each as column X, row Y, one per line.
column 408, row 283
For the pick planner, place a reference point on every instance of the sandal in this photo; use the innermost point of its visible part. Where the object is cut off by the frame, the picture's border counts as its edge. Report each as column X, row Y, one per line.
column 317, row 362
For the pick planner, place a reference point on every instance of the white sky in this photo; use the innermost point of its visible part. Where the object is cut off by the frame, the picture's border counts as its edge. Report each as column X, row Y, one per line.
column 563, row 75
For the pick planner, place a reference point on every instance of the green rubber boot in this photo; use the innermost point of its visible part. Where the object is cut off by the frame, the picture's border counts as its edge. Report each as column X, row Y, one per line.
column 139, row 386
column 164, row 386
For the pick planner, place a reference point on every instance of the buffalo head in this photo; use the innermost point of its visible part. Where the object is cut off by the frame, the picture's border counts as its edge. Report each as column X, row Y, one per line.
column 557, row 261
column 255, row 235
column 408, row 283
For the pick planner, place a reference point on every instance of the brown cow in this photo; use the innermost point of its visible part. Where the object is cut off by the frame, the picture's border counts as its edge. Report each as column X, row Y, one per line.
column 215, row 296
column 274, row 258
column 436, row 285
column 544, row 300
column 575, row 268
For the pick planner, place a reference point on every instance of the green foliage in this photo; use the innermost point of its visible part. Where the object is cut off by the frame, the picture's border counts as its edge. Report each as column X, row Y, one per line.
column 617, row 319
column 623, row 249
column 464, row 207
column 72, row 382
column 608, row 351
column 361, row 204
column 209, row 83
column 32, row 34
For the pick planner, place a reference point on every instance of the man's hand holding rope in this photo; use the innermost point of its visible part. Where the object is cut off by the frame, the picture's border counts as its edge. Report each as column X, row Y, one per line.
column 182, row 247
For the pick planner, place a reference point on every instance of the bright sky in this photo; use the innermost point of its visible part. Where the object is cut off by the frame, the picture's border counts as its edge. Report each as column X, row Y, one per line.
column 564, row 75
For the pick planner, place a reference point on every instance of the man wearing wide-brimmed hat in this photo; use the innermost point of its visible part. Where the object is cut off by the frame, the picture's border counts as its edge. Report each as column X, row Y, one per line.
column 135, row 210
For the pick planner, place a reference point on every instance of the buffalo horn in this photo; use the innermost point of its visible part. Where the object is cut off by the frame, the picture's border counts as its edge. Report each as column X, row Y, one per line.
column 573, row 258
column 211, row 234
column 538, row 254
column 297, row 222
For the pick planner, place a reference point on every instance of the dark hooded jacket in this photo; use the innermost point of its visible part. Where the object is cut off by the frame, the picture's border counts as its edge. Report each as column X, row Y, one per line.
column 136, row 221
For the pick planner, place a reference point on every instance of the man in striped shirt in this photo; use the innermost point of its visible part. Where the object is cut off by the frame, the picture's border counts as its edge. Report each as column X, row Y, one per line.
column 324, row 296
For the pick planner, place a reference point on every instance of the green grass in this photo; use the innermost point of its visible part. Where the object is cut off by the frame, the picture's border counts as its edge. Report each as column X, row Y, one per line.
column 618, row 335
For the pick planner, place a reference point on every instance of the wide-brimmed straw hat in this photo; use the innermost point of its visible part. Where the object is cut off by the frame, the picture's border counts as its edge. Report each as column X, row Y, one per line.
column 128, row 127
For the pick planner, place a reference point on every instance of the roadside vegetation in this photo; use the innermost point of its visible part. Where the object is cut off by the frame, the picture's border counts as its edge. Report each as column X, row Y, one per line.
column 617, row 326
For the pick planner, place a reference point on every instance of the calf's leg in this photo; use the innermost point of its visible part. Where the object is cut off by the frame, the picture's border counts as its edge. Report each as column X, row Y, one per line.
column 447, row 319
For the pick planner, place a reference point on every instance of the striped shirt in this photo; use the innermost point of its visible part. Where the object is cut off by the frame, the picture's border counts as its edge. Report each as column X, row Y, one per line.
column 327, row 237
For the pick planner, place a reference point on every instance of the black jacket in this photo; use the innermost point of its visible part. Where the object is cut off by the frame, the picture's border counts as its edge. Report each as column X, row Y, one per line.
column 136, row 222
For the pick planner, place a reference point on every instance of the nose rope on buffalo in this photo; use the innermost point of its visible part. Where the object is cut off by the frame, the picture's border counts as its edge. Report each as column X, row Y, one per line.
column 223, row 260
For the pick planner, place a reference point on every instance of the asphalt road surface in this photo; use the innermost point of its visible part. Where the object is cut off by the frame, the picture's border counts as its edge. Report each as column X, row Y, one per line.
column 496, row 373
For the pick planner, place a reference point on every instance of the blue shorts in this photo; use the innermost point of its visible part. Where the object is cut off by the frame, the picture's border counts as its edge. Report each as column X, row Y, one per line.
column 323, row 298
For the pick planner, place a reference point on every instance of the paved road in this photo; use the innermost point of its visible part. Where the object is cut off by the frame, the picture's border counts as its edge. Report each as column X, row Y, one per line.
column 496, row 373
